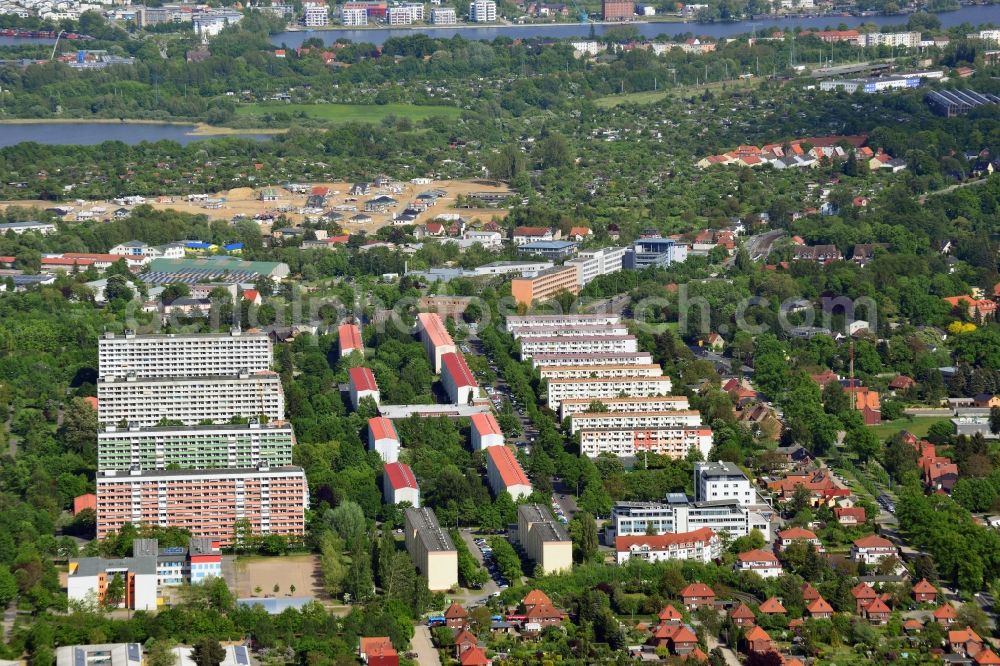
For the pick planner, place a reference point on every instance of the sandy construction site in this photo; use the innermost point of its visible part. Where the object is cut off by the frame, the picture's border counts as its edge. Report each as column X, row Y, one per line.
column 248, row 202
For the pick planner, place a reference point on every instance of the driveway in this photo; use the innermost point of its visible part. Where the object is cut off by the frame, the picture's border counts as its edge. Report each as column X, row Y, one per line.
column 422, row 645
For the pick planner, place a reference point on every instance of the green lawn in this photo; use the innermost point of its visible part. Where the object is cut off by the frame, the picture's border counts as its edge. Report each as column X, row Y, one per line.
column 917, row 425
column 351, row 113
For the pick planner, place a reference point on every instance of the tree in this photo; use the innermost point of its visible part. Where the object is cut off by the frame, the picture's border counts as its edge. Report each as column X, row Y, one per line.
column 583, row 532
column 995, row 420
column 114, row 594
column 159, row 652
column 348, row 521
column 207, row 652
column 174, row 291
column 332, row 564
column 863, row 442
column 118, row 289
column 835, row 399
column 359, row 583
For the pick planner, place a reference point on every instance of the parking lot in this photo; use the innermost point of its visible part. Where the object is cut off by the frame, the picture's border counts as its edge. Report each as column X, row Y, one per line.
column 490, row 564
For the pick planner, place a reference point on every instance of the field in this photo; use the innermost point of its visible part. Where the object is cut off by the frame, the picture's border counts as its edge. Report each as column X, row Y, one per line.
column 918, row 425
column 244, row 201
column 302, row 571
column 351, row 113
column 649, row 96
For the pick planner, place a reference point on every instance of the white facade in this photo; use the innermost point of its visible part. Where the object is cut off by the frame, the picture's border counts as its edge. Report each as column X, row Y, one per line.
column 485, row 432
column 701, row 546
column 490, row 240
column 315, row 16
column 636, row 358
column 444, row 16
column 760, row 562
column 674, row 442
column 353, row 16
column 578, row 330
column 89, row 577
column 594, row 263
column 182, row 355
column 514, row 323
column 680, row 515
column 504, row 473
column 602, row 371
column 209, row 24
column 482, row 11
column 399, row 15
column 145, row 402
column 722, row 481
column 587, row 345
column 383, row 442
column 654, row 404
column 595, row 389
column 894, row 39
column 634, row 420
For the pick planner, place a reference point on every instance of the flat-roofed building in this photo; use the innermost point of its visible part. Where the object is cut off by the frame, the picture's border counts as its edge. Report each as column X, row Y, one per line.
column 382, row 437
column 148, row 356
column 722, row 480
column 191, row 400
column 673, row 441
column 431, row 549
column 485, row 431
column 459, row 383
column 591, row 264
column 576, row 359
column 400, row 485
column 504, row 473
column 514, row 323
column 678, row 514
column 663, row 403
column 206, row 502
column 88, row 580
column 613, row 344
column 595, row 389
column 585, row 371
column 578, row 330
column 686, row 418
column 112, row 654
column 349, row 339
column 229, row 445
column 545, row 285
column 437, row 341
column 362, row 384
column 543, row 539
column 702, row 545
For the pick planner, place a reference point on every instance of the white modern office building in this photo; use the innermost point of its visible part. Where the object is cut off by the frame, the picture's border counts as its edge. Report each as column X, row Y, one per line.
column 591, row 264
column 715, row 481
column 219, row 399
column 182, row 355
column 679, row 514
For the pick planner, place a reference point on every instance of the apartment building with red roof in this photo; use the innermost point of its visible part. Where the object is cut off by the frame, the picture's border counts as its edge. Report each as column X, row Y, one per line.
column 435, row 337
column 458, row 380
column 485, row 431
column 702, row 545
column 349, row 339
column 382, row 437
column 362, row 384
column 399, row 484
column 504, row 473
column 698, row 595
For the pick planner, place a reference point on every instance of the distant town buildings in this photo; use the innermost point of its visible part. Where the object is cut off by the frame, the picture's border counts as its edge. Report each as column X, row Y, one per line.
column 482, row 11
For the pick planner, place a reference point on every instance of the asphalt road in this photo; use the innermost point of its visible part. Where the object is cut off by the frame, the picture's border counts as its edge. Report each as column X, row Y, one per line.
column 422, row 645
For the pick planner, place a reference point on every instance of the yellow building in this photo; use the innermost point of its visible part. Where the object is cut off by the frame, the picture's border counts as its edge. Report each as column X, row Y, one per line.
column 543, row 539
column 431, row 549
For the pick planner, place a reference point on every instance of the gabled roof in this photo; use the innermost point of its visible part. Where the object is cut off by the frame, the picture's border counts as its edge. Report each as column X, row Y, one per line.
column 773, row 606
column 945, row 612
column 670, row 613
column 664, row 541
column 511, row 472
column 820, row 606
column 757, row 634
column 758, row 556
column 877, row 606
column 924, row 587
column 486, row 424
column 363, row 379
column 400, row 476
column 684, row 635
column 465, row 636
column 455, row 611
column 456, row 367
column 543, row 611
column 863, row 591
column 794, row 533
column 963, row 636
column 350, row 336
column 697, row 590
column 740, row 612
column 986, row 657
column 382, row 428
column 536, row 597
column 809, row 593
column 474, row 656
column 873, row 541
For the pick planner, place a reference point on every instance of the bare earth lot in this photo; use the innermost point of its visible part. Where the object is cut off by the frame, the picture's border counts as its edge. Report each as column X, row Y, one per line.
column 244, row 201
column 302, row 571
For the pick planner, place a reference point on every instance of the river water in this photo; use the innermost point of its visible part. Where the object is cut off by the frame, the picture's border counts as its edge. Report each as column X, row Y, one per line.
column 83, row 133
column 974, row 15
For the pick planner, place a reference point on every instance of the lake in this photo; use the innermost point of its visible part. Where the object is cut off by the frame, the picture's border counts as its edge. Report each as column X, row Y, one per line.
column 974, row 15
column 87, row 134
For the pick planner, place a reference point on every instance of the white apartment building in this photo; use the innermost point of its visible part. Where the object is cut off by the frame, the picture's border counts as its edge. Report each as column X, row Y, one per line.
column 382, row 437
column 400, row 485
column 482, row 11
column 182, row 355
column 212, row 23
column 147, row 401
column 353, row 15
column 485, row 431
column 603, row 371
column 399, row 15
column 560, row 320
column 675, row 442
column 894, row 39
column 722, row 481
column 595, row 389
column 578, row 331
column 654, row 404
column 587, row 345
column 315, row 16
column 89, row 577
column 556, row 358
column 444, row 16
column 688, row 418
column 239, row 445
column 678, row 514
column 702, row 545
column 594, row 263
column 987, row 35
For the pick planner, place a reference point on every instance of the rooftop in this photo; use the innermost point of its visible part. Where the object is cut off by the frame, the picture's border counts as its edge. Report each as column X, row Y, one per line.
column 425, row 523
column 363, row 379
column 486, row 424
column 435, row 330
column 400, row 476
column 506, row 464
column 456, row 367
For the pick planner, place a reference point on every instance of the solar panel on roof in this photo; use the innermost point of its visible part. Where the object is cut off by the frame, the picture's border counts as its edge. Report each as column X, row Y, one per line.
column 79, row 657
column 133, row 652
column 241, row 656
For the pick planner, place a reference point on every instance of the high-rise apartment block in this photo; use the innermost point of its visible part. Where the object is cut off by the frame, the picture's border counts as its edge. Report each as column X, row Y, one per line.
column 145, row 356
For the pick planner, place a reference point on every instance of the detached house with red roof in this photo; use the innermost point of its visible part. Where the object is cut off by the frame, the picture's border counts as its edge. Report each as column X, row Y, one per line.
column 742, row 616
column 361, row 384
column 758, row 641
column 945, row 615
column 525, row 235
column 986, row 657
column 762, row 562
column 965, row 642
column 877, row 612
column 772, row 607
column 820, row 609
column 864, row 594
column 698, row 595
column 456, row 617
column 787, row 537
column 975, row 308
column 474, row 656
column 849, row 516
column 924, row 592
column 377, row 651
column 872, row 549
